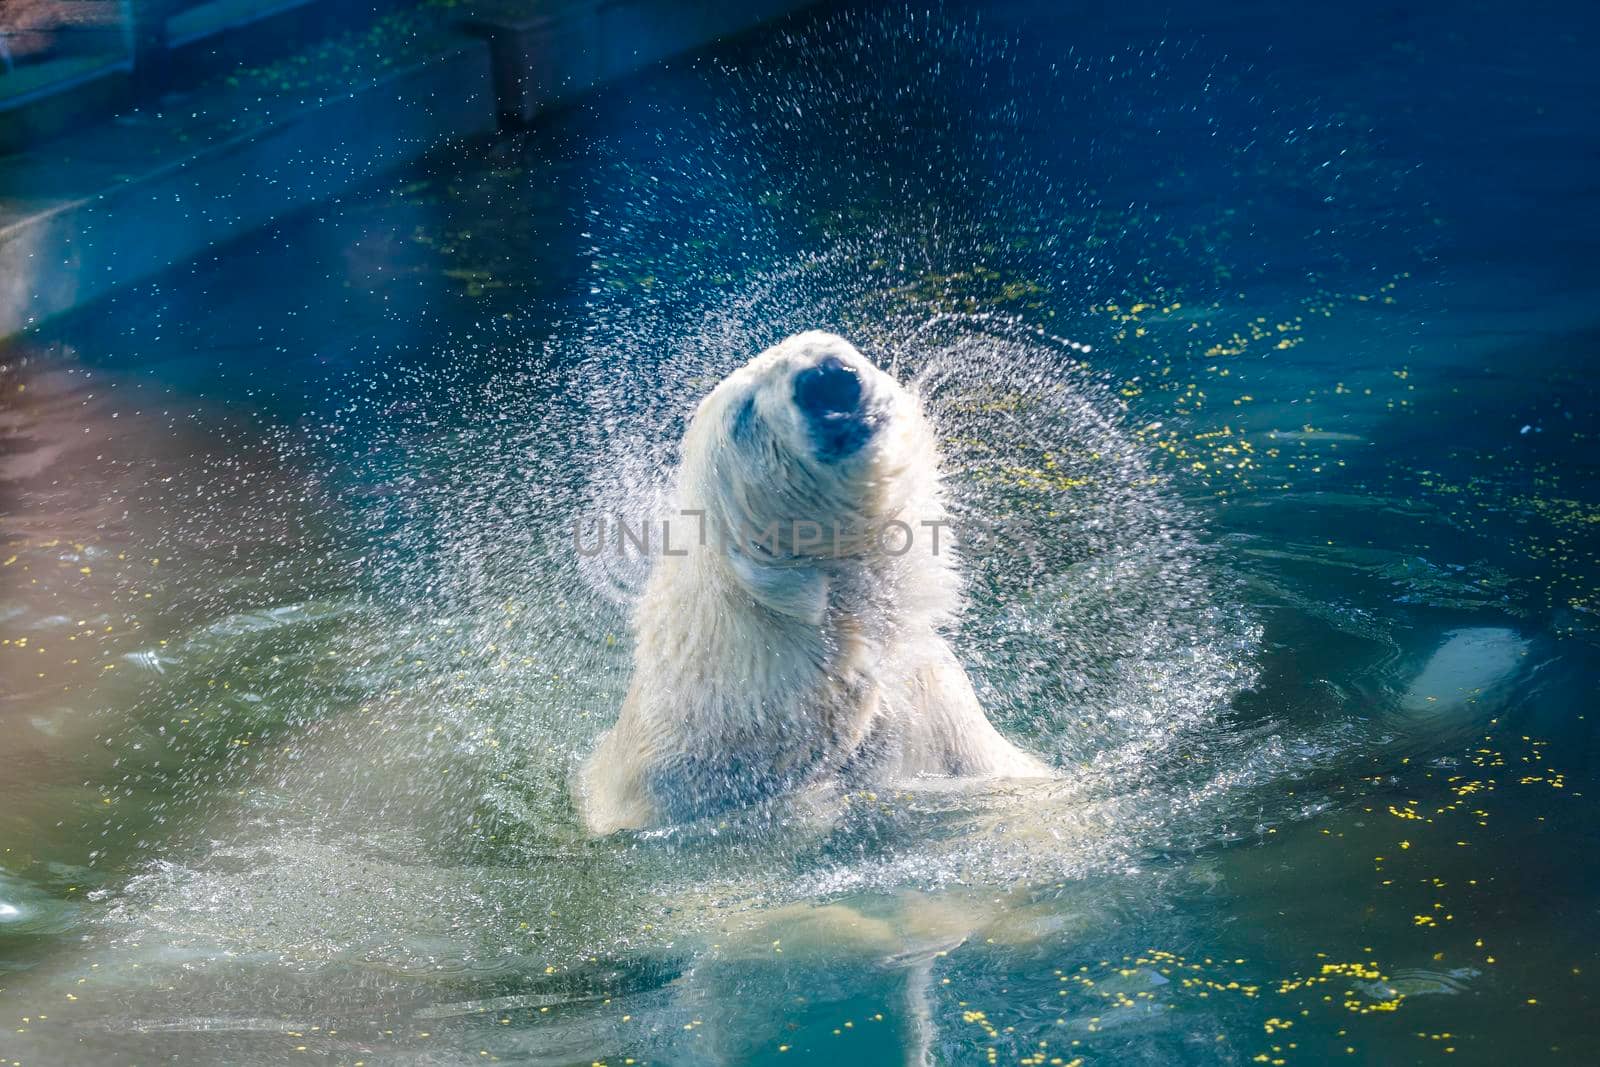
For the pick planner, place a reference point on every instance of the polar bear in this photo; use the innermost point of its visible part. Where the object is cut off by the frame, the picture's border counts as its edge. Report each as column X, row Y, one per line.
column 791, row 631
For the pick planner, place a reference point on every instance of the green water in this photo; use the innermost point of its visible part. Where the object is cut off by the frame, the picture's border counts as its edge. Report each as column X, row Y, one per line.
column 1268, row 341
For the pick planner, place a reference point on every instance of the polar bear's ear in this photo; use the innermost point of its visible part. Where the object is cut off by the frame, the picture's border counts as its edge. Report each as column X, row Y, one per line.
column 795, row 590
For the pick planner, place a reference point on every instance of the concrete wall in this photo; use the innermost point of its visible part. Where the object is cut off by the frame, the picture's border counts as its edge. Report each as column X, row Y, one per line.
column 119, row 202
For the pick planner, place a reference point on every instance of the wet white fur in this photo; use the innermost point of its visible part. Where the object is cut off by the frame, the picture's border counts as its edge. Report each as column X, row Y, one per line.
column 816, row 661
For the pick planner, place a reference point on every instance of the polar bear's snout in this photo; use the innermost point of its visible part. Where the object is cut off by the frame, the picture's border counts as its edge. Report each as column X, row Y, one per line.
column 830, row 390
column 831, row 397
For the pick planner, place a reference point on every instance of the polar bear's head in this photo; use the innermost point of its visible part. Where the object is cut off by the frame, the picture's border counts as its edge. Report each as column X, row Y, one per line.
column 804, row 453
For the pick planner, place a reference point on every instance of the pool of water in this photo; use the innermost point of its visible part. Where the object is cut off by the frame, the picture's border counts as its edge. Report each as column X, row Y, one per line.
column 1262, row 344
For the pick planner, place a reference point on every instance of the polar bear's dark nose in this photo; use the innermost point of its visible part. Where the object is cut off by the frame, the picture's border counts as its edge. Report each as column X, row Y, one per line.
column 830, row 396
column 828, row 390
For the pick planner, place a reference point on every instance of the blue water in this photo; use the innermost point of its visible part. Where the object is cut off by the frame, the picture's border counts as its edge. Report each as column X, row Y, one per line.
column 1269, row 333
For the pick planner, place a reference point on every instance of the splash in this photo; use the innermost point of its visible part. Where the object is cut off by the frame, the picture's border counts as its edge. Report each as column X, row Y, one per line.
column 1101, row 629
column 1098, row 627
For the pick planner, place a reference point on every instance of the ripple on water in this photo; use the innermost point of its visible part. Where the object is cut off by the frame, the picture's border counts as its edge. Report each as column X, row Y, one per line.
column 27, row 910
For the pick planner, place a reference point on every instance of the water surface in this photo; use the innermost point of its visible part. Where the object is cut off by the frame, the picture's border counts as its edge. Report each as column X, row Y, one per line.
column 1262, row 342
